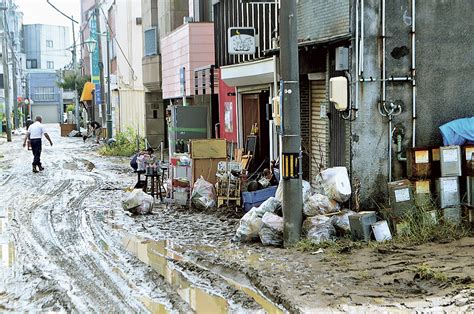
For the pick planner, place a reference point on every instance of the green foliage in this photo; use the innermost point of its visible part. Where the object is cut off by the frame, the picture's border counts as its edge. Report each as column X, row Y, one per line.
column 70, row 108
column 68, row 82
column 125, row 144
column 426, row 272
column 420, row 227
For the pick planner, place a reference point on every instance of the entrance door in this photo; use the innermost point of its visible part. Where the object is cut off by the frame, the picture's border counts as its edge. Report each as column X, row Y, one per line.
column 253, row 112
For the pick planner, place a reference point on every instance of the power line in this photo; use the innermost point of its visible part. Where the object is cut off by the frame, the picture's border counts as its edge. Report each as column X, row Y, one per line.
column 69, row 17
column 134, row 77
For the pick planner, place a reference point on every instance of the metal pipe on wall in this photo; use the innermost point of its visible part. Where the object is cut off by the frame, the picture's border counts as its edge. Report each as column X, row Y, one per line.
column 361, row 48
column 413, row 70
column 356, row 100
column 384, row 98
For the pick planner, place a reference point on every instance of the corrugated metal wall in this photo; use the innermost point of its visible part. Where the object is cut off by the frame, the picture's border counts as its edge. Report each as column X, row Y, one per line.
column 132, row 110
column 319, row 128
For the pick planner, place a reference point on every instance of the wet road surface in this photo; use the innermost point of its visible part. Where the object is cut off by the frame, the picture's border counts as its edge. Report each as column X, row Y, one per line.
column 61, row 247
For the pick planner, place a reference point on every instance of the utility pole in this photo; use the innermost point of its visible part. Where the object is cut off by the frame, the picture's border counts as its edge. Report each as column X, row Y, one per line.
column 101, row 63
column 74, row 66
column 6, row 72
column 15, row 91
column 109, row 105
column 291, row 137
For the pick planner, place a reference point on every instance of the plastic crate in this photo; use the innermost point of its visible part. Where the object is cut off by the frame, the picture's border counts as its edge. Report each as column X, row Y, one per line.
column 254, row 199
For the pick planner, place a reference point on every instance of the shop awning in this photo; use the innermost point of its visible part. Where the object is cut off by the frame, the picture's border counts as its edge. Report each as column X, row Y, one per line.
column 249, row 73
column 87, row 91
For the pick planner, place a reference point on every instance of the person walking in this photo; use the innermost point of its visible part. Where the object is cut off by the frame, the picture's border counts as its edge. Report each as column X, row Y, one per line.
column 35, row 135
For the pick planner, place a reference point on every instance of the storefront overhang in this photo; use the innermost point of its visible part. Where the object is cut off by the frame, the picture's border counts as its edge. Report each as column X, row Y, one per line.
column 249, row 73
column 87, row 91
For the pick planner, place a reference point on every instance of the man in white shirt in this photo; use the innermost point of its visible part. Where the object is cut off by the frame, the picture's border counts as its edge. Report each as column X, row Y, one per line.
column 34, row 135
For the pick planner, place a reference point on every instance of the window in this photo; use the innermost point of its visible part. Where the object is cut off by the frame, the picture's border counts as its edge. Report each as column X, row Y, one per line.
column 50, row 64
column 31, row 64
column 44, row 94
column 49, row 43
column 150, row 42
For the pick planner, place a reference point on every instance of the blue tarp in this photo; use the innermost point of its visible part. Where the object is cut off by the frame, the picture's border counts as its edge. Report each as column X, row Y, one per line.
column 458, row 132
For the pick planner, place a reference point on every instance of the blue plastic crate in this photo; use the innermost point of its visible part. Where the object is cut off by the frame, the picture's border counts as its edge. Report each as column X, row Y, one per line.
column 254, row 199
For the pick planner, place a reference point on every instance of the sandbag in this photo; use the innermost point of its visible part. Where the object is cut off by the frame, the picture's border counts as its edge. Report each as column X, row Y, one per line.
column 203, row 196
column 249, row 226
column 271, row 232
column 318, row 204
column 336, row 184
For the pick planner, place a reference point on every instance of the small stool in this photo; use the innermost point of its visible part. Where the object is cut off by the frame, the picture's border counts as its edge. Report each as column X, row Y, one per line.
column 153, row 177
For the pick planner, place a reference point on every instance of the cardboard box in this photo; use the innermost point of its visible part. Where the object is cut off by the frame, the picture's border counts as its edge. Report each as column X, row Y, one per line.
column 66, row 128
column 208, row 148
column 207, row 168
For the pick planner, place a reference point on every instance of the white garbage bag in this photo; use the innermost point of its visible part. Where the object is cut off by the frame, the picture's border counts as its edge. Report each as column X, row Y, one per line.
column 318, row 229
column 249, row 226
column 306, row 190
column 269, row 205
column 203, row 196
column 138, row 202
column 336, row 184
column 318, row 204
column 271, row 232
column 341, row 221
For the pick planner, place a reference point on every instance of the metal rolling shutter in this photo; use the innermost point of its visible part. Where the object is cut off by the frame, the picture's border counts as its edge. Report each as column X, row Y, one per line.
column 319, row 129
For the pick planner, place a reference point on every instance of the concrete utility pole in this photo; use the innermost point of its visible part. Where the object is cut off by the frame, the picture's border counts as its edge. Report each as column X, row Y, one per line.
column 6, row 72
column 291, row 138
column 101, row 64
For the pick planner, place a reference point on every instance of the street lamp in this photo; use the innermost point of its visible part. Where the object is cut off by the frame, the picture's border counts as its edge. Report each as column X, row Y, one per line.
column 91, row 45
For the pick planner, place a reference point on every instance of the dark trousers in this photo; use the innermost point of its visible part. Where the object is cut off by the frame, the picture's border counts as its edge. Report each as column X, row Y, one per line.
column 36, row 148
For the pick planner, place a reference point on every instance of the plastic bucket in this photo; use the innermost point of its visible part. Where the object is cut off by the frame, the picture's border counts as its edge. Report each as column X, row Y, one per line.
column 381, row 231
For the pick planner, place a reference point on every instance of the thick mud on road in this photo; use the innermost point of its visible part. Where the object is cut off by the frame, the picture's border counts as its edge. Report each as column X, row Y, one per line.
column 62, row 249
column 67, row 245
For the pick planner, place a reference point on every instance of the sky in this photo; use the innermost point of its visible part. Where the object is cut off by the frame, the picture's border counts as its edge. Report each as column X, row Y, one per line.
column 40, row 12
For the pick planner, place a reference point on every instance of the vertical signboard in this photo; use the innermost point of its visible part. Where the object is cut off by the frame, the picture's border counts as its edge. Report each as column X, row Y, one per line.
column 95, row 72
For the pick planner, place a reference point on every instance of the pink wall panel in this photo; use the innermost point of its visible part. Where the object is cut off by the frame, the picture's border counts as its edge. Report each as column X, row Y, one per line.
column 191, row 46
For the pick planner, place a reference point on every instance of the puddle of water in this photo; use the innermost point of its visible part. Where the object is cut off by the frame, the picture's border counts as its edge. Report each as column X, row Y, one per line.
column 70, row 166
column 7, row 247
column 154, row 307
column 157, row 253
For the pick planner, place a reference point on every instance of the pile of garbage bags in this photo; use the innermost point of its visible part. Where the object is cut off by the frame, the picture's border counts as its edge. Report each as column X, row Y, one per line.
column 324, row 216
column 138, row 202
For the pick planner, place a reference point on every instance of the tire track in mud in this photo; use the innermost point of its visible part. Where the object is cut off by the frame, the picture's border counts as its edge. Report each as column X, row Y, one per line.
column 50, row 247
column 85, row 270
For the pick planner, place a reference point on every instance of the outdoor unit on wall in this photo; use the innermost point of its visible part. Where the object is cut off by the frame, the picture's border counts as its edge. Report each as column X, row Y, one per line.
column 338, row 92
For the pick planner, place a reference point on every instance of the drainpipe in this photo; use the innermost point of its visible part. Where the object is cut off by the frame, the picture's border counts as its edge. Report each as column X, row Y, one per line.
column 361, row 48
column 384, row 95
column 413, row 70
column 357, row 56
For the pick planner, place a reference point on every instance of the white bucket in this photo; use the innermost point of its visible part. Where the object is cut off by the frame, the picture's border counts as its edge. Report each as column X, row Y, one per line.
column 381, row 231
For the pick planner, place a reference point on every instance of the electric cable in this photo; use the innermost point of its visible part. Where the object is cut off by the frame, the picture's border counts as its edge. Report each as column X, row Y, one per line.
column 134, row 77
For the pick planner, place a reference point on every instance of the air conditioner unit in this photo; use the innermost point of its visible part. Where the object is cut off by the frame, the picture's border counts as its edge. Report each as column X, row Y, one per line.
column 188, row 19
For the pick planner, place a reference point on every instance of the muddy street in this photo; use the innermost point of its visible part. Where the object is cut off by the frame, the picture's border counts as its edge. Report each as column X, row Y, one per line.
column 63, row 249
column 67, row 245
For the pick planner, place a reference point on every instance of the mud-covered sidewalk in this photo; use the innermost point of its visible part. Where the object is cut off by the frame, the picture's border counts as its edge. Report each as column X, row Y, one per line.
column 70, row 246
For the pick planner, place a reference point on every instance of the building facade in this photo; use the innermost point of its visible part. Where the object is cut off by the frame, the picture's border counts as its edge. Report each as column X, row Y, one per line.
column 46, row 46
column 120, row 28
column 46, row 95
